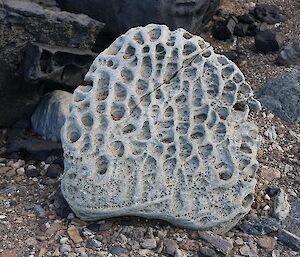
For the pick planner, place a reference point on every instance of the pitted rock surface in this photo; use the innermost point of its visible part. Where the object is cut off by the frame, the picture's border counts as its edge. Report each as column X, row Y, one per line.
column 161, row 133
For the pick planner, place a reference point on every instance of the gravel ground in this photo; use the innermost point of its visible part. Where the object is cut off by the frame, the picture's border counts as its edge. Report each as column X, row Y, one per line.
column 29, row 225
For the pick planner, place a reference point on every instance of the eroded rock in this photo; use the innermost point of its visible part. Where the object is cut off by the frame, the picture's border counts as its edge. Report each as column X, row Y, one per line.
column 162, row 133
column 121, row 16
column 22, row 22
column 56, row 65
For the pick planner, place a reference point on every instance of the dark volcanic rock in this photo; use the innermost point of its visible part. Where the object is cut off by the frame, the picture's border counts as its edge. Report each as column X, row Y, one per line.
column 54, row 171
column 267, row 41
column 282, row 96
column 259, row 226
column 60, row 204
column 32, row 173
column 246, row 18
column 270, row 14
column 52, row 64
column 24, row 145
column 224, row 29
column 18, row 99
column 290, row 55
column 122, row 15
column 241, row 29
column 22, row 22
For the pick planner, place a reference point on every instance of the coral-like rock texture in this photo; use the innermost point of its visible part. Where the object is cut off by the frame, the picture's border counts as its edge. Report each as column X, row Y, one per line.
column 161, row 133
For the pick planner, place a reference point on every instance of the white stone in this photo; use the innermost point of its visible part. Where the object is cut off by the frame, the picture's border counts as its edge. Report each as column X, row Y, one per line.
column 157, row 135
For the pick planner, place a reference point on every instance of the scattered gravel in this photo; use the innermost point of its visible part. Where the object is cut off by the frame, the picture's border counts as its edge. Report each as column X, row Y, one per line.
column 36, row 222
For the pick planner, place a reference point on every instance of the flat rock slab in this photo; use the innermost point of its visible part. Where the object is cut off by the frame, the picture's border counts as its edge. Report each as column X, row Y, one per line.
column 162, row 133
column 282, row 96
column 22, row 22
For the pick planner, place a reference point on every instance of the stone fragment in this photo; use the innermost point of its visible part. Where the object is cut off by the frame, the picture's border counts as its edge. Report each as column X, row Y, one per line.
column 54, row 171
column 56, row 65
column 246, row 18
column 224, row 29
column 259, row 226
column 23, row 21
column 118, row 250
column 8, row 253
column 32, row 173
column 149, row 243
column 8, row 190
column 282, row 96
column 267, row 41
column 241, row 29
column 74, row 234
column 135, row 142
column 65, row 248
column 269, row 174
column 94, row 244
column 222, row 245
column 61, row 206
column 266, row 242
column 55, row 227
column 282, row 206
column 268, row 13
column 289, row 239
column 39, row 210
column 191, row 15
column 170, row 246
column 248, row 251
column 50, row 115
column 28, row 146
column 207, row 252
column 31, row 242
column 290, row 55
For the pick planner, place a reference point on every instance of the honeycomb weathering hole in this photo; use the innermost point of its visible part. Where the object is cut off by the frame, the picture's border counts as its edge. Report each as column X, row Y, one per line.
column 162, row 133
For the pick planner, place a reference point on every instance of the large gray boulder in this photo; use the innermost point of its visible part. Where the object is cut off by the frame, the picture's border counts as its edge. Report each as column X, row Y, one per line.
column 162, row 133
column 121, row 15
column 282, row 96
column 50, row 115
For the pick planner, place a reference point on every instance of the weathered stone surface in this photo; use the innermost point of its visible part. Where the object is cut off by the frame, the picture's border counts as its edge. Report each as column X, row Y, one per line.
column 22, row 22
column 50, row 115
column 290, row 55
column 56, row 65
column 162, row 133
column 282, row 96
column 121, row 16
